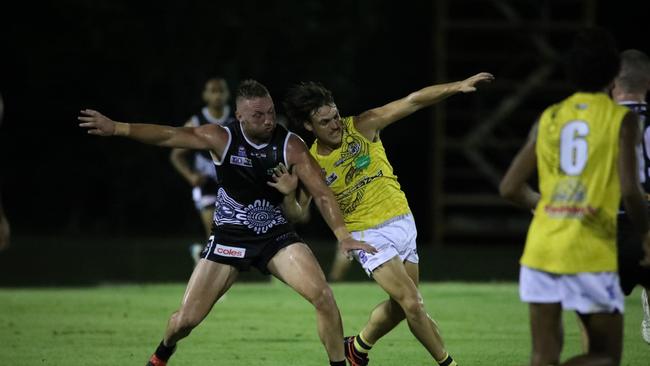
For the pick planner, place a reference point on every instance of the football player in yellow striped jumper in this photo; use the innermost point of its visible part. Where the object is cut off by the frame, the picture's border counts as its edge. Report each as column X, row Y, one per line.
column 375, row 209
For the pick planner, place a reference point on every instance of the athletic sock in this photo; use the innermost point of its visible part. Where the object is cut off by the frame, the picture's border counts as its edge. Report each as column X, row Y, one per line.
column 447, row 361
column 337, row 363
column 361, row 345
column 164, row 352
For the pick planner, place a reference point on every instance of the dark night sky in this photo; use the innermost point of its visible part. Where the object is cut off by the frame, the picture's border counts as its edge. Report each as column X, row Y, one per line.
column 146, row 61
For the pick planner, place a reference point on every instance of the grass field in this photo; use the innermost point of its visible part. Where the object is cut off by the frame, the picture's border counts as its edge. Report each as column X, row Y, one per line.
column 267, row 324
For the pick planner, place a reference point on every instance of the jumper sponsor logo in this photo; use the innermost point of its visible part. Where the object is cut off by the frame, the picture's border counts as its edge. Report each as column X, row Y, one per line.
column 241, row 161
column 258, row 154
column 241, row 151
column 569, row 191
column 359, row 185
column 331, row 178
column 569, row 211
column 226, row 251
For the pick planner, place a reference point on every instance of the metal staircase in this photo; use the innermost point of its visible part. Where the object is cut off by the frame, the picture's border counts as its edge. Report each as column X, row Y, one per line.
column 476, row 136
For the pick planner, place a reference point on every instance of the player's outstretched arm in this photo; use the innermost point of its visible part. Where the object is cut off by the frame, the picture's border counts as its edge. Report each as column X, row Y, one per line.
column 371, row 121
column 514, row 186
column 308, row 172
column 208, row 137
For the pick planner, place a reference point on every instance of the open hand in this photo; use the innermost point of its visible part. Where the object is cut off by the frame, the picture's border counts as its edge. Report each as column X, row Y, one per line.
column 283, row 180
column 349, row 244
column 469, row 85
column 96, row 123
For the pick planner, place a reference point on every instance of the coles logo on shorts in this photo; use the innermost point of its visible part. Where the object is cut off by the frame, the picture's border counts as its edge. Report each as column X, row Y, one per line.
column 226, row 251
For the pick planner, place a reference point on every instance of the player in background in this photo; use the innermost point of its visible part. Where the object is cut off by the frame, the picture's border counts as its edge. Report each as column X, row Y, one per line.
column 583, row 149
column 196, row 166
column 340, row 267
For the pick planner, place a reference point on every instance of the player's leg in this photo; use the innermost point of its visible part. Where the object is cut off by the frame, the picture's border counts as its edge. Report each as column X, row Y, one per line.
column 388, row 314
column 645, row 324
column 599, row 300
column 584, row 337
column 340, row 267
column 206, row 215
column 644, row 282
column 630, row 271
column 297, row 267
column 383, row 318
column 605, row 332
column 209, row 281
column 547, row 333
column 394, row 279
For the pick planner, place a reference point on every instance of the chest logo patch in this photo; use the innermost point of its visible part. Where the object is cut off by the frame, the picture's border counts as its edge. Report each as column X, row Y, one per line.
column 331, row 178
column 241, row 161
column 362, row 162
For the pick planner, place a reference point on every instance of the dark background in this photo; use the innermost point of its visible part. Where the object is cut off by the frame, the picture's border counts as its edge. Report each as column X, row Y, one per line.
column 147, row 62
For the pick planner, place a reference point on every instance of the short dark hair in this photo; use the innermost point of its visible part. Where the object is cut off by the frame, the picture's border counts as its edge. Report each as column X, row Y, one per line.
column 635, row 71
column 216, row 78
column 249, row 89
column 303, row 99
column 592, row 62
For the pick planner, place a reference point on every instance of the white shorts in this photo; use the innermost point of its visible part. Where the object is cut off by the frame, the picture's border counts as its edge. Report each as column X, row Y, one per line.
column 586, row 293
column 395, row 237
column 203, row 201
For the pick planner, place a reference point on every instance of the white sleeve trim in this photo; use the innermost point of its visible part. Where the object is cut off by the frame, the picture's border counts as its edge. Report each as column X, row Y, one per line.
column 225, row 150
column 194, row 122
column 286, row 142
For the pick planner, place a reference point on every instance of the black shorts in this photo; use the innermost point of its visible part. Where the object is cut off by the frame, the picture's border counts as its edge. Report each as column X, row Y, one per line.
column 247, row 252
column 630, row 253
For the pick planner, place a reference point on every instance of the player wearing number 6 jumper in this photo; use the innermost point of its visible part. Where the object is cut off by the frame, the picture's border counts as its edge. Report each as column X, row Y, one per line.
column 583, row 149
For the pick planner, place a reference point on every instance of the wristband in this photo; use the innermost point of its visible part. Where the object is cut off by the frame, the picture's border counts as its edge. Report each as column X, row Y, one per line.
column 122, row 129
column 342, row 233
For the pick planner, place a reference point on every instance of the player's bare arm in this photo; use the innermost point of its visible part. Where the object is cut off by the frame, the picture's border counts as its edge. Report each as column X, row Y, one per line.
column 178, row 158
column 308, row 172
column 514, row 186
column 208, row 137
column 374, row 120
column 631, row 190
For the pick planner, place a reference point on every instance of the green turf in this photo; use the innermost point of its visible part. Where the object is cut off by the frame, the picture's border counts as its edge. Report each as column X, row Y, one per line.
column 266, row 324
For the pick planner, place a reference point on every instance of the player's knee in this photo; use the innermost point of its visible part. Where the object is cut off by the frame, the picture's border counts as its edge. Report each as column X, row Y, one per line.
column 324, row 299
column 394, row 309
column 412, row 305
